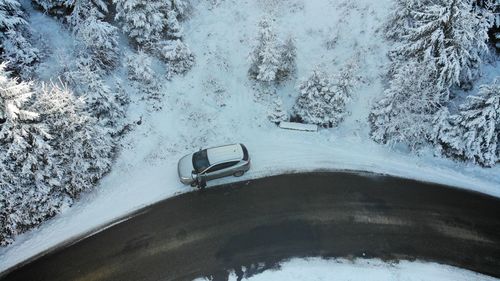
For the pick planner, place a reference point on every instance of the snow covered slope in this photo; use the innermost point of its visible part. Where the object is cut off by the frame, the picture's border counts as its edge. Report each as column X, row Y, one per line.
column 215, row 103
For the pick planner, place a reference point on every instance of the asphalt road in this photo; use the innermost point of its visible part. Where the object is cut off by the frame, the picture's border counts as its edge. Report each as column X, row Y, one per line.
column 259, row 223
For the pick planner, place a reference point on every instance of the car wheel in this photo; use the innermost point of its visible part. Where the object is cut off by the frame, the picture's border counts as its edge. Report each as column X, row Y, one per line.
column 238, row 174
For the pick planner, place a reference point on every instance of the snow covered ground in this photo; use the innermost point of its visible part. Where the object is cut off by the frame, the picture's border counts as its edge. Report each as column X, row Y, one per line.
column 315, row 269
column 215, row 103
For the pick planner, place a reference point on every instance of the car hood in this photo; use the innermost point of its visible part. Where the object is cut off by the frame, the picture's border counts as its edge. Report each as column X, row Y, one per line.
column 185, row 168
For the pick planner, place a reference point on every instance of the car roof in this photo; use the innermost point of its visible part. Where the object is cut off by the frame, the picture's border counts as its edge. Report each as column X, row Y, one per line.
column 232, row 152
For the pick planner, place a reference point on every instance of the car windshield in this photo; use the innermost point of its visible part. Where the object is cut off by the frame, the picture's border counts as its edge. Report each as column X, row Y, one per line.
column 200, row 161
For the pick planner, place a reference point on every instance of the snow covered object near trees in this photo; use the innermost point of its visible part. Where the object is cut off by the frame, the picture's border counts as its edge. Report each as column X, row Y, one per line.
column 270, row 59
column 450, row 34
column 323, row 98
column 473, row 133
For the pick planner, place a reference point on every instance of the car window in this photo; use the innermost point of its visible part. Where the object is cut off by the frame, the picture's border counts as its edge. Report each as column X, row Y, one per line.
column 200, row 161
column 221, row 166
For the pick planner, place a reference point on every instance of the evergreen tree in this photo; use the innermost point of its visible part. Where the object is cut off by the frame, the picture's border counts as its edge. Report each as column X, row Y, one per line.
column 142, row 20
column 277, row 114
column 447, row 33
column 85, row 9
column 265, row 57
column 401, row 19
column 140, row 72
column 84, row 148
column 177, row 56
column 323, row 99
column 15, row 46
column 20, row 53
column 29, row 170
column 99, row 100
column 56, row 7
column 174, row 29
column 139, row 67
column 287, row 59
column 271, row 60
column 405, row 112
column 474, row 132
column 101, row 42
column 181, row 7
column 11, row 15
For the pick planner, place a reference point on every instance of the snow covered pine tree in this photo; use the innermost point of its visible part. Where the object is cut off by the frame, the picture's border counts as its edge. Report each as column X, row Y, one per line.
column 176, row 55
column 276, row 113
column 323, row 99
column 405, row 113
column 142, row 20
column 100, row 101
column 28, row 169
column 15, row 46
column 287, row 65
column 141, row 74
column 450, row 34
column 474, row 132
column 84, row 148
column 101, row 42
column 154, row 27
column 270, row 60
column 84, row 9
column 56, row 7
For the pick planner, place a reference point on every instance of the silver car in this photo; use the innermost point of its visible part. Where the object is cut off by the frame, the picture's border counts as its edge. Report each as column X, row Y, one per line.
column 211, row 163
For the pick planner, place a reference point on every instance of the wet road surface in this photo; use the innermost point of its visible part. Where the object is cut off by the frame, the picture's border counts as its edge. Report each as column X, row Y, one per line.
column 256, row 224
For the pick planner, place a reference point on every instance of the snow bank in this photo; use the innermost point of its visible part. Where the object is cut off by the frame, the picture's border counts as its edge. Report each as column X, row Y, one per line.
column 298, row 126
column 315, row 269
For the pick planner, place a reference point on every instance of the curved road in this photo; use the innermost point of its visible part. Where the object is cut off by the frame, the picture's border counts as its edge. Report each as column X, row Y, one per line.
column 259, row 223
